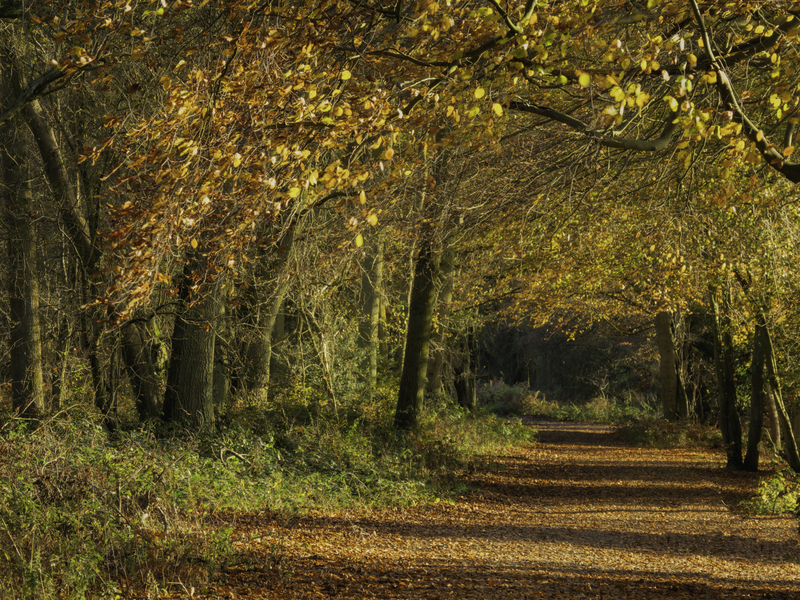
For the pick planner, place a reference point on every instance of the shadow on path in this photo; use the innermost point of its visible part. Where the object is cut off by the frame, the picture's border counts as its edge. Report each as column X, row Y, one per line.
column 578, row 515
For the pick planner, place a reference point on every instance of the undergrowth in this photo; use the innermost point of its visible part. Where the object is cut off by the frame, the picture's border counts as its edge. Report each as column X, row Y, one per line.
column 778, row 493
column 517, row 400
column 85, row 513
column 660, row 433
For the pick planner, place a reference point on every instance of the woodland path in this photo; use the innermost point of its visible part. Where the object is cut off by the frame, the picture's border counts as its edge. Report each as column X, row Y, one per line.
column 577, row 515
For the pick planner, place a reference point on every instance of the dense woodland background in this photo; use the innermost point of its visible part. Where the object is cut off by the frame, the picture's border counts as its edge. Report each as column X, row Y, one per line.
column 367, row 212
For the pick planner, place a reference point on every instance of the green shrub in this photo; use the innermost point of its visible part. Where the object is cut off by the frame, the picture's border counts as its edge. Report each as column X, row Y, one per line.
column 82, row 515
column 777, row 494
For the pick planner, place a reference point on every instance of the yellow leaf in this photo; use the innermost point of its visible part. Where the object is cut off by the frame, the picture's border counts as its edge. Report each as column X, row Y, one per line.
column 294, row 192
column 373, row 219
column 362, row 197
column 498, row 110
column 345, row 75
column 194, row 243
column 479, row 93
column 788, row 151
column 359, row 241
column 673, row 104
column 584, row 79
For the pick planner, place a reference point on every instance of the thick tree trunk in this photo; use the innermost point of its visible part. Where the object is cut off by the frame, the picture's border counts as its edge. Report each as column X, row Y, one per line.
column 266, row 326
column 444, row 303
column 27, row 387
column 189, row 398
column 420, row 315
column 670, row 338
column 668, row 364
column 142, row 374
column 729, row 424
column 756, row 398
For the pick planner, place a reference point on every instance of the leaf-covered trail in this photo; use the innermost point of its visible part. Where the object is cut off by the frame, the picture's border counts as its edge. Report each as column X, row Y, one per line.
column 578, row 515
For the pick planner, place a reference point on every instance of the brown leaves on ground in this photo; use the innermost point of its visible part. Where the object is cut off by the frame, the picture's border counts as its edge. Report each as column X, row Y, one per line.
column 578, row 515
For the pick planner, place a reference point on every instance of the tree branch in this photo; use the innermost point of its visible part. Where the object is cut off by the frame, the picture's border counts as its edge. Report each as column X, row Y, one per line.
column 636, row 145
column 774, row 158
column 38, row 87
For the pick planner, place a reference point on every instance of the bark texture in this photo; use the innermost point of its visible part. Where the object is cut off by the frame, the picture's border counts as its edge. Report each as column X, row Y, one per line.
column 439, row 349
column 27, row 387
column 141, row 371
column 418, row 334
column 189, row 398
column 756, row 398
column 729, row 423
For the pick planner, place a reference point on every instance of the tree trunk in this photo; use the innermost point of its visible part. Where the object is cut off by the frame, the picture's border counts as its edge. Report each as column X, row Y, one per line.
column 371, row 291
column 668, row 364
column 221, row 377
column 266, row 326
column 729, row 424
column 789, row 440
column 772, row 415
column 137, row 357
column 27, row 386
column 189, row 398
column 438, row 344
column 464, row 371
column 670, row 337
column 756, row 397
column 415, row 363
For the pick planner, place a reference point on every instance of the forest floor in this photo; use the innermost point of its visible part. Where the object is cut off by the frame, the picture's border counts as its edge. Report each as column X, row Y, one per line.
column 579, row 514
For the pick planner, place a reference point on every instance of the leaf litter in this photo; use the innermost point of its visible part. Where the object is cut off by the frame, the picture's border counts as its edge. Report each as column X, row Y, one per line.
column 579, row 514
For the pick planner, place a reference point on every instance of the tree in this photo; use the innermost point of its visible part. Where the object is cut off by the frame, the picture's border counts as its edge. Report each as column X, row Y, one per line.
column 23, row 279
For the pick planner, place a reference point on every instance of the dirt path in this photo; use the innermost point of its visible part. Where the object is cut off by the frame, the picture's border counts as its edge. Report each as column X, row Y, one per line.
column 578, row 515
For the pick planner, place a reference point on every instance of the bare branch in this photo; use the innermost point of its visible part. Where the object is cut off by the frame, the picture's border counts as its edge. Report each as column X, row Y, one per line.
column 636, row 145
column 37, row 88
